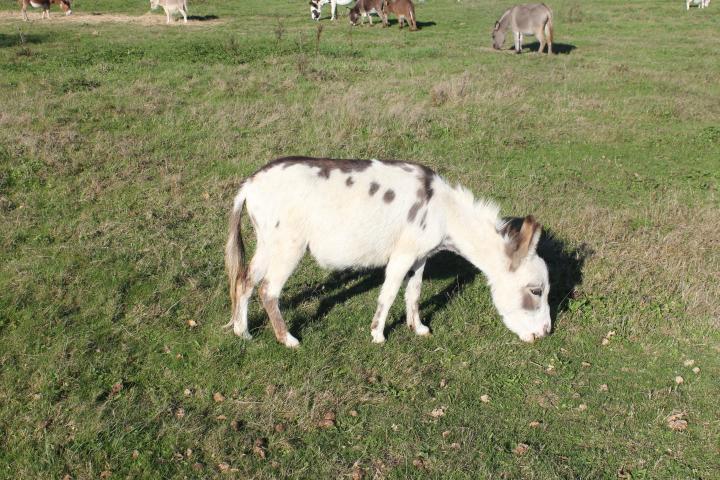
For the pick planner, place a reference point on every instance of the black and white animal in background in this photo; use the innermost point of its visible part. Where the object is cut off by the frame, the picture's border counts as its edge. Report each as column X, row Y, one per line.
column 698, row 3
column 45, row 5
column 316, row 7
column 372, row 213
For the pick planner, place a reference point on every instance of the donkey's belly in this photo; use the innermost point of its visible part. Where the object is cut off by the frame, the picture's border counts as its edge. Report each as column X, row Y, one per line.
column 341, row 251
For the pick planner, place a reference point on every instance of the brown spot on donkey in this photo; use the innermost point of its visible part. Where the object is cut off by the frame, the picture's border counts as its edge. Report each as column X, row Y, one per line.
column 404, row 10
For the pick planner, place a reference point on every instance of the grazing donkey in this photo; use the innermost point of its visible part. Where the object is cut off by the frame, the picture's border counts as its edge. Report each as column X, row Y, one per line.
column 45, row 5
column 403, row 10
column 531, row 19
column 699, row 3
column 316, row 6
column 363, row 8
column 372, row 213
column 171, row 7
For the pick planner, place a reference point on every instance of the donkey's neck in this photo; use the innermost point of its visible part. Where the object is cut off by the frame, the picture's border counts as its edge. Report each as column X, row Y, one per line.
column 504, row 22
column 472, row 232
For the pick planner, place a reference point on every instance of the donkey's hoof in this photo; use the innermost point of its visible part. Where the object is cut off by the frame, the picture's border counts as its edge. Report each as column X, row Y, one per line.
column 378, row 337
column 291, row 342
column 422, row 330
column 245, row 335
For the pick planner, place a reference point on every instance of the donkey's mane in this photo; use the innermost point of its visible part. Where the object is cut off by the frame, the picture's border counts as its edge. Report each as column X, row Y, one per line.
column 481, row 207
column 503, row 19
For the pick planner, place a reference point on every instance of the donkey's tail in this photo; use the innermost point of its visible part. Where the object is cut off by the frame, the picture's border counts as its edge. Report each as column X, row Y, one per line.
column 549, row 28
column 235, row 249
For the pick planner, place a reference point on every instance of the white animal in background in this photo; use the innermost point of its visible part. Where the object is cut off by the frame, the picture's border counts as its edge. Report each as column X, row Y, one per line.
column 698, row 3
column 316, row 7
column 371, row 213
column 171, row 7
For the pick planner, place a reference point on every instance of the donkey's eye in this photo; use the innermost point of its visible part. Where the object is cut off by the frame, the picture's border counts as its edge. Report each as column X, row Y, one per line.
column 536, row 291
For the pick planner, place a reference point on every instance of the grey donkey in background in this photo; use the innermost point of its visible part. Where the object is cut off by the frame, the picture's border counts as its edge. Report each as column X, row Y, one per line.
column 530, row 19
column 171, row 7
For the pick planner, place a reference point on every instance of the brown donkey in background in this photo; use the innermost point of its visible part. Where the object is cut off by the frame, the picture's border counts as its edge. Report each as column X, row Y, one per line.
column 403, row 10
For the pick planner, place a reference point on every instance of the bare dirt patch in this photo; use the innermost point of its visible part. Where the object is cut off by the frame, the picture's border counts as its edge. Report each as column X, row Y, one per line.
column 97, row 18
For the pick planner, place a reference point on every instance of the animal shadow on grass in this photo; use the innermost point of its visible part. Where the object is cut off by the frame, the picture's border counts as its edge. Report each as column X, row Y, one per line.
column 202, row 18
column 394, row 21
column 558, row 48
column 565, row 266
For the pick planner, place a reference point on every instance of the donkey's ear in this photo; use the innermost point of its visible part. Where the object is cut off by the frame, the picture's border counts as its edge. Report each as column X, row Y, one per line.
column 522, row 243
column 497, row 25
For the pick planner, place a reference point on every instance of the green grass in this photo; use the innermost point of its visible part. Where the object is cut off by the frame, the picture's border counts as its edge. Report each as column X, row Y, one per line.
column 121, row 146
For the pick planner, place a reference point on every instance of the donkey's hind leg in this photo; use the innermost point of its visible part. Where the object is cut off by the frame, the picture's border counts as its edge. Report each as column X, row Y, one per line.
column 280, row 266
column 243, row 291
column 412, row 296
column 244, row 288
column 541, row 38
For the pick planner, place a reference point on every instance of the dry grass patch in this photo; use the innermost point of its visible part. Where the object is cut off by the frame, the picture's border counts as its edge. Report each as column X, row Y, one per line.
column 101, row 18
column 647, row 254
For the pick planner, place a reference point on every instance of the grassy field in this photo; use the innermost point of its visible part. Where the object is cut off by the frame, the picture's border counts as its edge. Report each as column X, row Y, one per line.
column 122, row 141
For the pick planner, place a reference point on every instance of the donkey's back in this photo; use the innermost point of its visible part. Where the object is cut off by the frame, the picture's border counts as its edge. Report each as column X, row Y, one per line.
column 528, row 18
column 350, row 213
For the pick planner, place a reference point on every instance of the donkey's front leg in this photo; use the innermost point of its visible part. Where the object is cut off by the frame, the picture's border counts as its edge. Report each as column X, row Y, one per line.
column 412, row 295
column 394, row 275
column 333, row 9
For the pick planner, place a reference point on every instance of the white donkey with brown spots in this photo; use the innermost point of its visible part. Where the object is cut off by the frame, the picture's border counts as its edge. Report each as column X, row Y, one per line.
column 371, row 213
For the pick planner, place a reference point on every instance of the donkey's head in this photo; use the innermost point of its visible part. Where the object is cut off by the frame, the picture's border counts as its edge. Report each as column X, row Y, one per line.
column 520, row 291
column 154, row 4
column 498, row 36
column 65, row 5
column 354, row 15
column 315, row 9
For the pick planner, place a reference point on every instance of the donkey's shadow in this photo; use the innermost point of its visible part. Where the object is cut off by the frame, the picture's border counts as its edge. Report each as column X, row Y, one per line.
column 565, row 266
column 558, row 48
column 202, row 18
column 394, row 22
